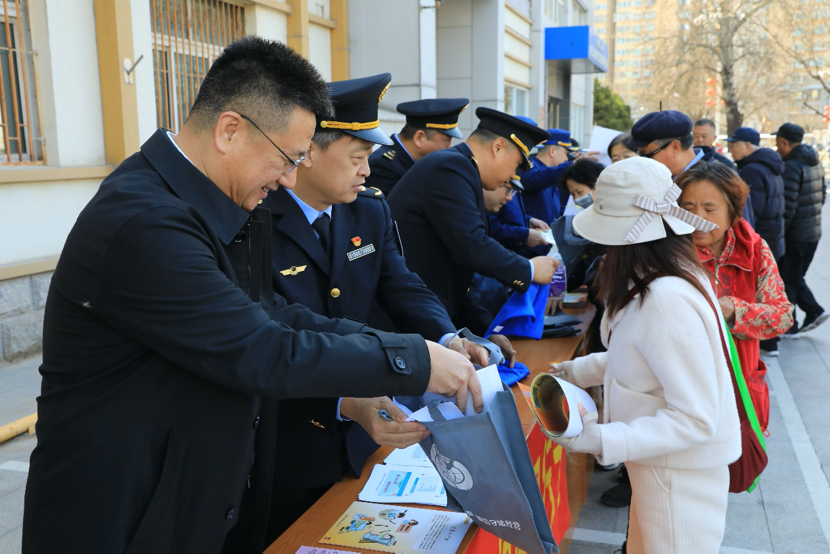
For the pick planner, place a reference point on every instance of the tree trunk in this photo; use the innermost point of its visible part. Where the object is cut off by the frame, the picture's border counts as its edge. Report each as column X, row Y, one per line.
column 734, row 117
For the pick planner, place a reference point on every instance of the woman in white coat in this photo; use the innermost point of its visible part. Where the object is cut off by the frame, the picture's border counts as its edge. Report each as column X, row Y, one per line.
column 668, row 394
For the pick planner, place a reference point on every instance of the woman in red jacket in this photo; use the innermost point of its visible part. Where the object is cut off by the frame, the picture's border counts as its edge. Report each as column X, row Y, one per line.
column 743, row 271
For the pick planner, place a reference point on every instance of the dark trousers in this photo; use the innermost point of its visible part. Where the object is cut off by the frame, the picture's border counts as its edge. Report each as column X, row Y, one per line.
column 793, row 267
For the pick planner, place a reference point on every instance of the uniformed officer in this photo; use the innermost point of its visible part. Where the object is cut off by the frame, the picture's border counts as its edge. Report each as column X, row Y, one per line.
column 508, row 192
column 543, row 198
column 439, row 208
column 335, row 250
column 512, row 227
column 430, row 126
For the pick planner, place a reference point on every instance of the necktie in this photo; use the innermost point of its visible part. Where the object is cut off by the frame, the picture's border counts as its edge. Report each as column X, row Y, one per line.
column 322, row 225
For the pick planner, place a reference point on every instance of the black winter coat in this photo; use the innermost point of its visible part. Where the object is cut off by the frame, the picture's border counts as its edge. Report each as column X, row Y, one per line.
column 804, row 194
column 762, row 171
column 161, row 336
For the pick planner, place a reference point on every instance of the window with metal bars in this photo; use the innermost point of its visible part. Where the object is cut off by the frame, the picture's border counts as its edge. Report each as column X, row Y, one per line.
column 187, row 36
column 22, row 143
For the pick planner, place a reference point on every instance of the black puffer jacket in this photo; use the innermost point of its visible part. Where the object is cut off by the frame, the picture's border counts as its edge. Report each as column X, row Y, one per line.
column 804, row 194
column 762, row 172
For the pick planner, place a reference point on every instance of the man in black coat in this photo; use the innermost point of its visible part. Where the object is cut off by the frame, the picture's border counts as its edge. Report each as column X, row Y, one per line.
column 804, row 193
column 431, row 125
column 761, row 170
column 704, row 134
column 336, row 251
column 439, row 208
column 162, row 333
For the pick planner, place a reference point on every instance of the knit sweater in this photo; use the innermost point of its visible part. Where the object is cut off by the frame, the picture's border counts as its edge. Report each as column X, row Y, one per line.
column 669, row 399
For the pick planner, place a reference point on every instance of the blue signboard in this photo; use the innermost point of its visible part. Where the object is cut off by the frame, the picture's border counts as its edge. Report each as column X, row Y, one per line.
column 580, row 45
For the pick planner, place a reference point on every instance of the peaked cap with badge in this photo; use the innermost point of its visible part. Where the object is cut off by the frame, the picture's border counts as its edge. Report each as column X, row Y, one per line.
column 390, row 163
column 558, row 137
column 439, row 114
column 356, row 107
column 521, row 133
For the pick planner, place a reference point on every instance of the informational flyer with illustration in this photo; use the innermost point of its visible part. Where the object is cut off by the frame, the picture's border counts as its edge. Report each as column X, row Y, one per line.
column 387, row 528
column 407, row 484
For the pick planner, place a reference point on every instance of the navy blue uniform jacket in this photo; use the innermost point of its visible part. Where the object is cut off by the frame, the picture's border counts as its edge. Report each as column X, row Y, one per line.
column 510, row 227
column 161, row 337
column 380, row 275
column 541, row 195
column 387, row 165
column 439, row 208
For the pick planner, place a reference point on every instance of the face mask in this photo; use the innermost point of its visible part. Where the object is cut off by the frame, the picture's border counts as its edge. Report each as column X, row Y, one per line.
column 584, row 201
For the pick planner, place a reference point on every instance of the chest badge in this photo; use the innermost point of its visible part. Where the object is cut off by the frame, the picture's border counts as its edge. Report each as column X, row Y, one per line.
column 293, row 270
column 356, row 241
column 360, row 252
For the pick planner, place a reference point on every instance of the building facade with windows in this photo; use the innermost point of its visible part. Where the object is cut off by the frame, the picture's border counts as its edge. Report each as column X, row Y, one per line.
column 84, row 83
column 630, row 28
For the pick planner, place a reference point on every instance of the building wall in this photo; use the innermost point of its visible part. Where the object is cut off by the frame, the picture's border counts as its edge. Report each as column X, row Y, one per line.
column 471, row 55
column 401, row 41
column 39, row 204
column 631, row 29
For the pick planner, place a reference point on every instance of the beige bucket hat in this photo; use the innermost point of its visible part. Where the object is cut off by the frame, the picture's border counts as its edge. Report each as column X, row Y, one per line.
column 632, row 199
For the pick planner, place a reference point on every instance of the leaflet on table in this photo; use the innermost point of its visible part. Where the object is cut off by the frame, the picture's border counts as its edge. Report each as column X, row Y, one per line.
column 397, row 529
column 554, row 403
column 410, row 456
column 490, row 385
column 408, row 485
column 318, row 550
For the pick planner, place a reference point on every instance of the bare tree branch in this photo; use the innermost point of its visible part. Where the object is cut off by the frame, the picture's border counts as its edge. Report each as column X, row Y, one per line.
column 813, row 109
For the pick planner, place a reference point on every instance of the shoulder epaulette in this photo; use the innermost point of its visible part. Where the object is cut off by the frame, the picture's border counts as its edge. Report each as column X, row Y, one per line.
column 373, row 192
column 389, row 154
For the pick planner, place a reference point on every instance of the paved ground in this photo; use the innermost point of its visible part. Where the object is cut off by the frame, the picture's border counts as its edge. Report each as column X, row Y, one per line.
column 19, row 386
column 788, row 514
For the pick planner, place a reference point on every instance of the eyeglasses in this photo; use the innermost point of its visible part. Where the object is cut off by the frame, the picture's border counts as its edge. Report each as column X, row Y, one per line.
column 653, row 152
column 284, row 155
column 511, row 190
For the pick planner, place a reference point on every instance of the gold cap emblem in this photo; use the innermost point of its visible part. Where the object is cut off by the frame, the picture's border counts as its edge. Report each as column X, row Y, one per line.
column 383, row 92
